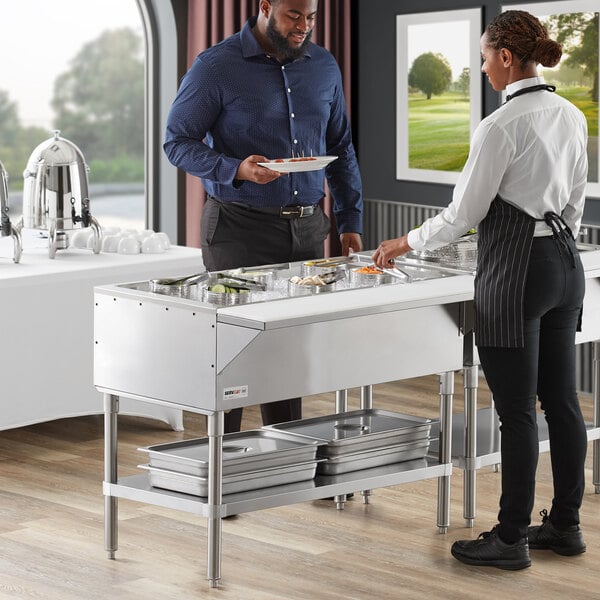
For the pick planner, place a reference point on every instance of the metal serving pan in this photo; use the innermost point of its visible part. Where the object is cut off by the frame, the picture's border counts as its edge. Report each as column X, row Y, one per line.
column 462, row 253
column 232, row 484
column 355, row 461
column 369, row 279
column 358, row 430
column 242, row 452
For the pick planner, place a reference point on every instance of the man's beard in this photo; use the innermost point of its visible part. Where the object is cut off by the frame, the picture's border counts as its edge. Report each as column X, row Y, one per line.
column 280, row 44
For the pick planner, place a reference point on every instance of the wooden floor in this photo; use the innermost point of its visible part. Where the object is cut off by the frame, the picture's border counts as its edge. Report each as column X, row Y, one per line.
column 51, row 527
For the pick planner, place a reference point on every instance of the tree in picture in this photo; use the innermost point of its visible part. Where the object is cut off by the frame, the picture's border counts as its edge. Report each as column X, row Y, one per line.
column 99, row 105
column 430, row 73
column 578, row 33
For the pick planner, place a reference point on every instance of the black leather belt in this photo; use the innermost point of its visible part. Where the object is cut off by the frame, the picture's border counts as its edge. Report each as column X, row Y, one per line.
column 285, row 212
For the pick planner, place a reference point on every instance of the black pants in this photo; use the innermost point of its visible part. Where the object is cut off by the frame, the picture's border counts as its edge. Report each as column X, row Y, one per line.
column 544, row 367
column 235, row 236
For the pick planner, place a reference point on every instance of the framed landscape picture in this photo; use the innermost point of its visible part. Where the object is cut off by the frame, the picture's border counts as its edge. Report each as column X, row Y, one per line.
column 438, row 93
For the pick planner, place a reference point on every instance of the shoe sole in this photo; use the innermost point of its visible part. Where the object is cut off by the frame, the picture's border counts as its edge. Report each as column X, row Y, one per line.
column 507, row 565
column 559, row 550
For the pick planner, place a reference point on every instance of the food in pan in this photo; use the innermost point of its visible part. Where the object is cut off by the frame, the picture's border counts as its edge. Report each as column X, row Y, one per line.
column 310, row 280
column 369, row 270
column 219, row 288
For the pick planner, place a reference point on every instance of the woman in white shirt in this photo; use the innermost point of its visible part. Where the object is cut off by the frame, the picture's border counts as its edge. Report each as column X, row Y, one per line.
column 523, row 187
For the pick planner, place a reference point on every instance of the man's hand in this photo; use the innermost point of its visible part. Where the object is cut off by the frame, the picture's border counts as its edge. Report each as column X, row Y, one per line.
column 351, row 242
column 249, row 170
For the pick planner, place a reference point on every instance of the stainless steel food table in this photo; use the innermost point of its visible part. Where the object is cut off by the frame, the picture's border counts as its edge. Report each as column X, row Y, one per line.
column 206, row 359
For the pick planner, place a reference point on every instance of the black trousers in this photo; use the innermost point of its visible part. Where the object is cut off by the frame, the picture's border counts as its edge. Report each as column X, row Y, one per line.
column 545, row 367
column 236, row 236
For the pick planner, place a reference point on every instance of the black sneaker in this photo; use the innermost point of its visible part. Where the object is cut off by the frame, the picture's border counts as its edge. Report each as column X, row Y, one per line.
column 488, row 550
column 566, row 542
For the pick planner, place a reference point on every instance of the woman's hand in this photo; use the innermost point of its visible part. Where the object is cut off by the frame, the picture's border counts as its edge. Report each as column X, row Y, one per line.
column 387, row 251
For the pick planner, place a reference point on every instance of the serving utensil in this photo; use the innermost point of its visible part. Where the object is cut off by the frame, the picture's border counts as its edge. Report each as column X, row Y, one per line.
column 398, row 273
column 177, row 281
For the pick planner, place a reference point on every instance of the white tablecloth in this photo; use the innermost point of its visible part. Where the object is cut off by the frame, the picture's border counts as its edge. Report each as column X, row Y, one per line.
column 46, row 328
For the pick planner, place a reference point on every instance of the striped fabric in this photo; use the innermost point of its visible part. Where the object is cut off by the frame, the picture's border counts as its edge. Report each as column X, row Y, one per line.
column 505, row 237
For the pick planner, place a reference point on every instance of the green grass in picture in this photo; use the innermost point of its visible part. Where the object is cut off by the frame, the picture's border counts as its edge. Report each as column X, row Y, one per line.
column 438, row 132
column 580, row 97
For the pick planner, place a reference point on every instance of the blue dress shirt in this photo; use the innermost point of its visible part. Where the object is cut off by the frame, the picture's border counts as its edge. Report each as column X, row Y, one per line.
column 236, row 101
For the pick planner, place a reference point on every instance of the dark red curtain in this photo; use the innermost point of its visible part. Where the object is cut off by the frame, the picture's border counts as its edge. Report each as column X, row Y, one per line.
column 210, row 21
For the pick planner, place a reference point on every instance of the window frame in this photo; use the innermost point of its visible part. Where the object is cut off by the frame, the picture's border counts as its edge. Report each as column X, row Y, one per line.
column 163, row 208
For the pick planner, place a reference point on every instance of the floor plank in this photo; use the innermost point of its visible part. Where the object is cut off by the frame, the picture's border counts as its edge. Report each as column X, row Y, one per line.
column 51, row 526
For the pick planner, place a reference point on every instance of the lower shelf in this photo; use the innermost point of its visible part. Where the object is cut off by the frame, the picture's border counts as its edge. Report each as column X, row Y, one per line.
column 488, row 438
column 138, row 488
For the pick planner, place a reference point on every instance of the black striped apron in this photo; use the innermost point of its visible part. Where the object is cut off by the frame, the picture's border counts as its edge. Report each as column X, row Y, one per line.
column 505, row 237
column 503, row 249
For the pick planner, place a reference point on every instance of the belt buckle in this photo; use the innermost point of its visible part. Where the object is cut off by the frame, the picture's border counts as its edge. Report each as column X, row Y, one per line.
column 301, row 212
column 290, row 211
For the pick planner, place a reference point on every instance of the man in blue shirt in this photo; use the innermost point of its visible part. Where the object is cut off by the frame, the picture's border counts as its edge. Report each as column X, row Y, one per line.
column 264, row 93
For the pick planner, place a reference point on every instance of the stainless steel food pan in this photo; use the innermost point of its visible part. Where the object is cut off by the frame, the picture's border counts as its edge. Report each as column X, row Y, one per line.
column 242, row 452
column 355, row 461
column 462, row 253
column 369, row 279
column 326, row 265
column 265, row 276
column 359, row 430
column 232, row 484
column 296, row 289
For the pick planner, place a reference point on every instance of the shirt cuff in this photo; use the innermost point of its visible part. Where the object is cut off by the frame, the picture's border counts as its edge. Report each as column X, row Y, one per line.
column 414, row 239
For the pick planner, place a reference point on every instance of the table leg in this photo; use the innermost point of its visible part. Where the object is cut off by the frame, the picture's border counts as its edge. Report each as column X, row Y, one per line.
column 366, row 403
column 341, row 405
column 445, row 448
column 215, row 427
column 111, row 409
column 596, row 397
column 470, row 375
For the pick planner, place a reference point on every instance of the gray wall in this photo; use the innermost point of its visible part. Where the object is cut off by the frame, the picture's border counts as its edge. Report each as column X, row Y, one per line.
column 376, row 98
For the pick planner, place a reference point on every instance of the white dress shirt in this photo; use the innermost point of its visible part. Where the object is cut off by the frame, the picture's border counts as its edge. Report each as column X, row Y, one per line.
column 532, row 152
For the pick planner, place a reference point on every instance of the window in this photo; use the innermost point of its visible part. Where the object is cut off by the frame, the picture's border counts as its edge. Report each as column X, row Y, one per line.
column 438, row 93
column 78, row 67
column 574, row 23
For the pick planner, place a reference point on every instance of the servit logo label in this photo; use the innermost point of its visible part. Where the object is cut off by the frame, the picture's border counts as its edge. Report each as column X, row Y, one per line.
column 238, row 391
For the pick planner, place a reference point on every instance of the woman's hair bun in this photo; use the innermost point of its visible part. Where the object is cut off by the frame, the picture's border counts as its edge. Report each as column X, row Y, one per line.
column 547, row 52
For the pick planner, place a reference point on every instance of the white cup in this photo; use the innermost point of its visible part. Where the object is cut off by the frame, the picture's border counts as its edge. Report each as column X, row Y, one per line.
column 129, row 245
column 153, row 245
column 80, row 237
column 110, row 243
column 165, row 238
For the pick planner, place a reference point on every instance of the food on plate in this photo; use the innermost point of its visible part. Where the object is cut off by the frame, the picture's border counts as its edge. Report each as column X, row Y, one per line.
column 297, row 159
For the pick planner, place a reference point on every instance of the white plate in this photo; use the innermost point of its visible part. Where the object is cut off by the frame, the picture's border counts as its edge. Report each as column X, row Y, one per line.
column 295, row 165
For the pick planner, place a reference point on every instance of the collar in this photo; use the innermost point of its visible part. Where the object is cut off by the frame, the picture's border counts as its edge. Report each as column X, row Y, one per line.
column 511, row 88
column 250, row 45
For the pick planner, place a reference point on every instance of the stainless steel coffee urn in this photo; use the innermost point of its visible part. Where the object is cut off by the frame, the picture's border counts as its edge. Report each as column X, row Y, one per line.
column 6, row 227
column 55, row 193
